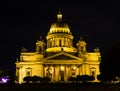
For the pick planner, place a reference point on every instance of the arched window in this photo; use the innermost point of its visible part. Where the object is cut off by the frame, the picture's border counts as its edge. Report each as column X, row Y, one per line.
column 82, row 48
column 40, row 49
column 93, row 73
column 28, row 71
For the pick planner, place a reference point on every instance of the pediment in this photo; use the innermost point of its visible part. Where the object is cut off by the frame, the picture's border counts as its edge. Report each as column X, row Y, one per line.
column 62, row 56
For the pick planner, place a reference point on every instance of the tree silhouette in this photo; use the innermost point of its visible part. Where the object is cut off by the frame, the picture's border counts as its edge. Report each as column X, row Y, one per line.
column 36, row 78
column 27, row 79
column 104, row 78
column 46, row 79
column 72, row 79
column 110, row 62
column 84, row 78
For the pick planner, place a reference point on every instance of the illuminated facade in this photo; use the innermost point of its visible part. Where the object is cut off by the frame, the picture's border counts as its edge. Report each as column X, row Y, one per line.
column 57, row 58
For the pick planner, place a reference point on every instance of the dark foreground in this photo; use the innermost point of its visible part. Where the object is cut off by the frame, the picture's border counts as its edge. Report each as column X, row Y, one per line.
column 60, row 87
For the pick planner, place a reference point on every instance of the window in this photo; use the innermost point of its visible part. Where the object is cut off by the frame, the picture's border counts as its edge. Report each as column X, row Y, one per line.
column 40, row 49
column 28, row 71
column 92, row 73
column 82, row 48
column 73, row 70
column 49, row 72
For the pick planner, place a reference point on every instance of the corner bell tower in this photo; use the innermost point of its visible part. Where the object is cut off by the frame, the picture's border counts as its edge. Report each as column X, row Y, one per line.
column 40, row 46
column 81, row 46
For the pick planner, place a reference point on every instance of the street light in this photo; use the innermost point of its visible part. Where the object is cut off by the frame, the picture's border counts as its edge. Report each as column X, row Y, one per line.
column 62, row 68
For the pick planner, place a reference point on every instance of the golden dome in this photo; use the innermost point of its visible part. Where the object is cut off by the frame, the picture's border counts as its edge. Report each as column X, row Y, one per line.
column 59, row 26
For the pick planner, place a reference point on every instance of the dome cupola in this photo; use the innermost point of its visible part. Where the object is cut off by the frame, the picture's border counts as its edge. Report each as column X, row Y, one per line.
column 59, row 26
column 59, row 37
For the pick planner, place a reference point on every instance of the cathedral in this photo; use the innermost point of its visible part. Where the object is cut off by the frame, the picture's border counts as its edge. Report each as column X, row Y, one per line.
column 58, row 58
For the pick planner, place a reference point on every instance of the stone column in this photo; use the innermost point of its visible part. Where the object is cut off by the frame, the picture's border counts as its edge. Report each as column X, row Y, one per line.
column 51, row 42
column 43, row 70
column 77, row 70
column 66, row 42
column 47, row 43
column 54, row 69
column 63, row 41
column 56, row 73
column 70, row 42
column 83, row 71
column 87, row 69
column 55, row 41
column 65, row 73
column 20, row 75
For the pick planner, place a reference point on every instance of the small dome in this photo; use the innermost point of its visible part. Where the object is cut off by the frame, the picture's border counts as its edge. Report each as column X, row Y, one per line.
column 59, row 25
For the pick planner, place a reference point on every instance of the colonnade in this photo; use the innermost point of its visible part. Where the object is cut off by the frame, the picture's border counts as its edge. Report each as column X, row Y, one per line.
column 59, row 42
column 61, row 72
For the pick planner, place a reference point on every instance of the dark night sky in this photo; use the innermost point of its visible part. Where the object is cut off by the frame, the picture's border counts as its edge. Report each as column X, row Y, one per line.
column 23, row 22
